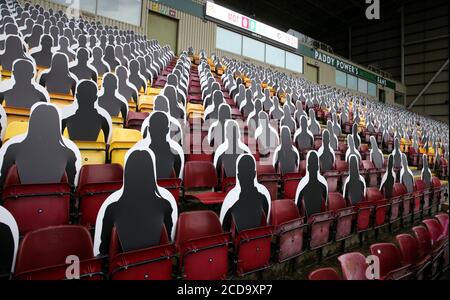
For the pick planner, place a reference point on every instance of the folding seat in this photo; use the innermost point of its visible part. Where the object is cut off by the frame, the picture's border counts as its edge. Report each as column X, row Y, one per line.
column 324, row 274
column 135, row 120
column 154, row 263
column 409, row 249
column 353, row 266
column 289, row 227
column 36, row 206
column 290, row 184
column 342, row 168
column 121, row 141
column 95, row 184
column 199, row 157
column 202, row 246
column 364, row 150
column 252, row 248
column 390, row 262
column 42, row 254
column 173, row 185
column 381, row 206
column 202, row 174
column 14, row 129
column 439, row 239
column 371, row 173
column 437, row 191
column 397, row 202
column 425, row 248
column 16, row 114
column 421, row 198
column 413, row 157
column 343, row 214
column 92, row 152
column 268, row 177
column 443, row 219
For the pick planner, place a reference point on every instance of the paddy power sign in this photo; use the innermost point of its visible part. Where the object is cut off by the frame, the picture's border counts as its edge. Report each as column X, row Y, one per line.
column 351, row 69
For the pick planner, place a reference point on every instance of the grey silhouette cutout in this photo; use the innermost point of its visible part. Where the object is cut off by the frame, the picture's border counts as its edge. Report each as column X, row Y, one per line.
column 303, row 137
column 376, row 156
column 286, row 157
column 356, row 138
column 354, row 186
column 14, row 49
column 82, row 69
column 58, row 78
column 406, row 175
column 128, row 92
column 111, row 100
column 388, row 180
column 426, row 172
column 326, row 153
column 43, row 55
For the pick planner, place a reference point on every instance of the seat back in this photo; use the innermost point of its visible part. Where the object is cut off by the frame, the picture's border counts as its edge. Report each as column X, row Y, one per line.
column 389, row 256
column 434, row 229
column 336, row 202
column 373, row 195
column 443, row 219
column 341, row 166
column 199, row 174
column 353, row 266
column 51, row 246
column 283, row 211
column 91, row 174
column 408, row 247
column 423, row 239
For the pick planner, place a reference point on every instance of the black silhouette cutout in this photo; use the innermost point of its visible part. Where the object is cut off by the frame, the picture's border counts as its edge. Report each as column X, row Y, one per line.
column 34, row 38
column 303, row 137
column 313, row 125
column 388, row 180
column 97, row 61
column 139, row 211
column 426, row 172
column 275, row 112
column 286, row 157
column 22, row 91
column 312, row 189
column 216, row 132
column 287, row 119
column 397, row 154
column 58, row 79
column 110, row 57
column 406, row 175
column 43, row 53
column 64, row 47
column 266, row 135
column 81, row 68
column 352, row 149
column 110, row 99
column 334, row 142
column 376, row 156
column 248, row 202
column 82, row 119
column 326, row 153
column 14, row 49
column 136, row 78
column 227, row 153
column 175, row 110
column 356, row 138
column 355, row 185
column 127, row 90
column 42, row 155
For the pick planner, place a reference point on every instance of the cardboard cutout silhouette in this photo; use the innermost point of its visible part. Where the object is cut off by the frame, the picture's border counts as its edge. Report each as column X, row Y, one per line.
column 240, row 96
column 42, row 155
column 397, row 154
column 352, row 149
column 313, row 125
column 139, row 211
column 97, row 61
column 212, row 111
column 265, row 135
column 216, row 132
column 84, row 118
column 64, row 47
column 82, row 68
column 389, row 178
column 176, row 110
column 43, row 54
column 169, row 154
column 110, row 99
column 326, row 153
column 299, row 112
column 136, row 78
column 356, row 138
column 312, row 189
column 22, row 91
column 9, row 239
column 118, row 52
column 426, row 172
column 334, row 142
column 126, row 89
column 110, row 58
column 34, row 37
column 304, row 139
column 355, row 185
column 3, row 122
column 406, row 175
column 58, row 78
column 287, row 119
column 227, row 153
column 286, row 158
column 376, row 156
column 14, row 50
column 248, row 202
column 336, row 126
column 275, row 112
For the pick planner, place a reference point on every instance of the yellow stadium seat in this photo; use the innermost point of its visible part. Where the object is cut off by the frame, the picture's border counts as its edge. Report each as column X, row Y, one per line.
column 153, row 91
column 117, row 122
column 14, row 129
column 194, row 110
column 132, row 105
column 92, row 153
column 15, row 114
column 121, row 141
column 5, row 74
column 145, row 103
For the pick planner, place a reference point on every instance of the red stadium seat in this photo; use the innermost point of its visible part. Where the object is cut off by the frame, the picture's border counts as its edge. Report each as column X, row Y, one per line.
column 269, row 178
column 371, row 172
column 437, row 191
column 36, row 206
column 324, row 274
column 290, row 184
column 135, row 119
column 390, row 262
column 173, row 185
column 202, row 245
column 374, row 196
column 409, row 249
column 42, row 254
column 153, row 263
column 343, row 214
column 425, row 248
column 95, row 184
column 421, row 198
column 443, row 219
column 202, row 174
column 400, row 193
column 289, row 227
column 396, row 201
column 353, row 266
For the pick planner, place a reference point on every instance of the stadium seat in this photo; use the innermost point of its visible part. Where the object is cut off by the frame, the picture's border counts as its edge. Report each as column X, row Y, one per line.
column 121, row 141
column 371, row 173
column 425, row 248
column 421, row 199
column 381, row 205
column 153, row 263
column 353, row 266
column 290, row 184
column 390, row 262
column 437, row 193
column 14, row 129
column 289, row 228
column 439, row 239
column 95, row 184
column 202, row 245
column 202, row 174
column 344, row 216
column 269, row 178
column 324, row 274
column 50, row 262
column 36, row 206
column 135, row 120
column 92, row 153
column 409, row 249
